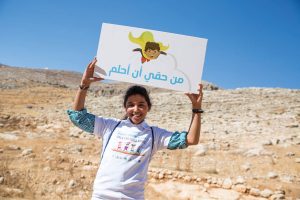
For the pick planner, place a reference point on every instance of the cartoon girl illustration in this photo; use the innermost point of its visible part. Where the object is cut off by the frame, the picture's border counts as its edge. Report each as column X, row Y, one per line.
column 149, row 49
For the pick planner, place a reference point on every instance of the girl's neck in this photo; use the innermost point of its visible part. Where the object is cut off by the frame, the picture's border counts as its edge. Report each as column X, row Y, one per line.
column 135, row 123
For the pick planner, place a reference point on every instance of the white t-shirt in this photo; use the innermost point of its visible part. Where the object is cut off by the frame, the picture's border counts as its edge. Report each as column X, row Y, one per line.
column 123, row 170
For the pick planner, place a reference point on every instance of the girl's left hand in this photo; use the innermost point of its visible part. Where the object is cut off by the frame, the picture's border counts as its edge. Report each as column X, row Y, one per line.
column 196, row 99
column 88, row 75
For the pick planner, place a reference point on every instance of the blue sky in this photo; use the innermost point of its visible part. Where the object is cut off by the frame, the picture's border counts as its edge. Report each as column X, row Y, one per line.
column 254, row 43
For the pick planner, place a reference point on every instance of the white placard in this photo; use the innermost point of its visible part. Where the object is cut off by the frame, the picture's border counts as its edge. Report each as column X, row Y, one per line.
column 149, row 57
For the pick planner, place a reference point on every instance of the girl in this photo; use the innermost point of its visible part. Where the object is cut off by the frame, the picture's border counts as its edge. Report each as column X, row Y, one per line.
column 129, row 144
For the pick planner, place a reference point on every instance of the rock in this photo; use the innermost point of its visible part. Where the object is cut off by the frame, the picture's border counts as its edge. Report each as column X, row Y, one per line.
column 74, row 134
column 26, row 152
column 220, row 182
column 239, row 180
column 254, row 192
column 1, row 150
column 279, row 192
column 290, row 154
column 277, row 197
column 275, row 141
column 187, row 178
column 227, row 183
column 161, row 175
column 60, row 189
column 240, row 188
column 254, row 152
column 292, row 126
column 49, row 158
column 287, row 178
column 272, row 175
column 13, row 191
column 87, row 162
column 55, row 182
column 76, row 148
column 297, row 160
column 1, row 179
column 219, row 193
column 47, row 169
column 14, row 147
column 214, row 146
column 212, row 180
column 246, row 166
column 169, row 172
column 266, row 193
column 201, row 150
column 266, row 142
column 6, row 117
column 72, row 184
column 8, row 136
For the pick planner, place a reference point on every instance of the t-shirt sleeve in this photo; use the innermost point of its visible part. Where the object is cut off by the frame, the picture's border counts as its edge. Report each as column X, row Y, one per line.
column 103, row 125
column 178, row 140
column 162, row 138
column 169, row 140
column 82, row 119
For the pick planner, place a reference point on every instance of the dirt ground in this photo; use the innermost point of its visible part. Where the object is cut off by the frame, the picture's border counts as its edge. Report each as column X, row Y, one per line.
column 43, row 156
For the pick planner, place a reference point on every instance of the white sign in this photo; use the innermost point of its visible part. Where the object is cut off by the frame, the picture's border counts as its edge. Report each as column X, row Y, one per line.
column 149, row 57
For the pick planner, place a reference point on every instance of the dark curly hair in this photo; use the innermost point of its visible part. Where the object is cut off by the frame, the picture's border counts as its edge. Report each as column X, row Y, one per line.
column 136, row 89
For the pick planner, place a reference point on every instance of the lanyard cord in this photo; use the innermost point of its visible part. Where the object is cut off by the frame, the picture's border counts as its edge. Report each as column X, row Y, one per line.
column 191, row 122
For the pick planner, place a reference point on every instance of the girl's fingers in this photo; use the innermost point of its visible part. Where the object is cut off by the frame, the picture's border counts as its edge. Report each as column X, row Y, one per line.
column 196, row 98
column 200, row 87
column 90, row 64
column 96, row 79
column 94, row 62
column 192, row 97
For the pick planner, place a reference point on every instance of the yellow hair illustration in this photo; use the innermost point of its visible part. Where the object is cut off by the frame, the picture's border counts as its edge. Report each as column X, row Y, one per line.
column 145, row 37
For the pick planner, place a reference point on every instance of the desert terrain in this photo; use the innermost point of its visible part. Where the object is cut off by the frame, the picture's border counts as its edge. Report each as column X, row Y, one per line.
column 249, row 147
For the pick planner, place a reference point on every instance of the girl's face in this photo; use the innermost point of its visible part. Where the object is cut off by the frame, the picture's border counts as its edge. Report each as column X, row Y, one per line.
column 136, row 108
column 152, row 54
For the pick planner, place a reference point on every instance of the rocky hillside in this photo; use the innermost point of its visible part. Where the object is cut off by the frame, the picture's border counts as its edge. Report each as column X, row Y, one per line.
column 15, row 77
column 249, row 146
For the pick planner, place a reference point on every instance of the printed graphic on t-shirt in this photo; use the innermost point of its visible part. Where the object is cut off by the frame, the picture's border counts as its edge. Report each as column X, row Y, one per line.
column 129, row 147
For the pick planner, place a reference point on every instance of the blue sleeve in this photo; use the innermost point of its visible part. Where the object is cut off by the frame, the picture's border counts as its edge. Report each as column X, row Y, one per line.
column 82, row 119
column 178, row 141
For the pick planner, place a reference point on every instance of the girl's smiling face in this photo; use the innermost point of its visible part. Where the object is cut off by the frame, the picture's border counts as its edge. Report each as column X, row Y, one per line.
column 136, row 108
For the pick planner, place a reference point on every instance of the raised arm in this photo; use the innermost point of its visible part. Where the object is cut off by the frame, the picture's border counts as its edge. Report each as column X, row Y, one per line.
column 86, row 81
column 195, row 127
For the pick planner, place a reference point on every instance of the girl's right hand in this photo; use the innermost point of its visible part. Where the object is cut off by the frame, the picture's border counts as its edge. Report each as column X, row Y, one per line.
column 88, row 75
